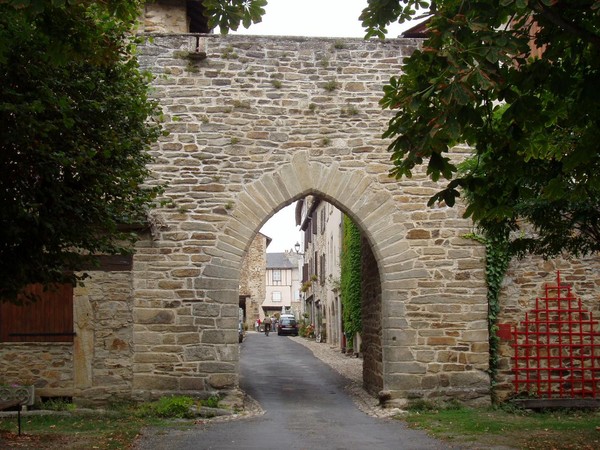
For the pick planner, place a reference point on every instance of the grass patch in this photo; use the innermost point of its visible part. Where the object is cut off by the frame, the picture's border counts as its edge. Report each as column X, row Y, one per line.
column 116, row 428
column 515, row 428
column 75, row 431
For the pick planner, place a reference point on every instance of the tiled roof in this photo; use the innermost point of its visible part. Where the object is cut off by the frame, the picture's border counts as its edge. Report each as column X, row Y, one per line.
column 285, row 260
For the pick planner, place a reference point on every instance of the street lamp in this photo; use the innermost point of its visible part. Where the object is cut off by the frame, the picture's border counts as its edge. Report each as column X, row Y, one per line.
column 297, row 247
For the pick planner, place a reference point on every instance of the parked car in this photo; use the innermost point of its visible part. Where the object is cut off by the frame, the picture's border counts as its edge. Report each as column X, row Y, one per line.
column 241, row 332
column 287, row 325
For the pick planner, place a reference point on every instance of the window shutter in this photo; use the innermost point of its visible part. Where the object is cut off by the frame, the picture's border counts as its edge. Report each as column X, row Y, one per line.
column 48, row 319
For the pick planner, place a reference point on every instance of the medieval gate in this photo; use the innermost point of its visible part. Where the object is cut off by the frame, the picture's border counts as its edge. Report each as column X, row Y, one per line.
column 256, row 123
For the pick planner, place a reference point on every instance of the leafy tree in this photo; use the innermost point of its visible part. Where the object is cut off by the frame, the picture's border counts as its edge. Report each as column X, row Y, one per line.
column 517, row 80
column 228, row 14
column 76, row 124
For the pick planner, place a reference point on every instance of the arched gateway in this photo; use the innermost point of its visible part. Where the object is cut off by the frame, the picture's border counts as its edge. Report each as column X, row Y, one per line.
column 256, row 123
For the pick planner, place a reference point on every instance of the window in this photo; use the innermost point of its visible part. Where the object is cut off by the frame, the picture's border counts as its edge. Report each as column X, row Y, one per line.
column 48, row 319
column 323, row 216
column 276, row 296
column 276, row 276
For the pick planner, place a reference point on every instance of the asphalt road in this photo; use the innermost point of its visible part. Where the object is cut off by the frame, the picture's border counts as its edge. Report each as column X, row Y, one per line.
column 306, row 407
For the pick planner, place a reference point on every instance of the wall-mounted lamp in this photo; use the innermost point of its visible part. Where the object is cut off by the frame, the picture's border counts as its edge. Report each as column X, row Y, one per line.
column 297, row 247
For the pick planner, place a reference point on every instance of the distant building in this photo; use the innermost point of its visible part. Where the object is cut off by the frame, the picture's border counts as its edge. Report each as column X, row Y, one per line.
column 322, row 226
column 252, row 280
column 282, row 285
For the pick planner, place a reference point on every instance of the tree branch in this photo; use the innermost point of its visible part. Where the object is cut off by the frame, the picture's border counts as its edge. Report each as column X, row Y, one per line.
column 552, row 16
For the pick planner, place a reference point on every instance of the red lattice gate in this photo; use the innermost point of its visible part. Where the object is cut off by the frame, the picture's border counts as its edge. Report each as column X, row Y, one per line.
column 557, row 349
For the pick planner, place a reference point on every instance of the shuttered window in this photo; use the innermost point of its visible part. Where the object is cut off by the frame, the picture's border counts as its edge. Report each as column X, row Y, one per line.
column 48, row 319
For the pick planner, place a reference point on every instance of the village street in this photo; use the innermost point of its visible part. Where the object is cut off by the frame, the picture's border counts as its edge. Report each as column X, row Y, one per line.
column 305, row 404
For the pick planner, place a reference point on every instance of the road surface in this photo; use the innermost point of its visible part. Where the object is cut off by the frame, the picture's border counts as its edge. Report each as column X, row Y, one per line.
column 306, row 407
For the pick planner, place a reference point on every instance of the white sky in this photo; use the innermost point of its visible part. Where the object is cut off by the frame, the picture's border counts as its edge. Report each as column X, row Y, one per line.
column 317, row 18
column 323, row 18
column 282, row 229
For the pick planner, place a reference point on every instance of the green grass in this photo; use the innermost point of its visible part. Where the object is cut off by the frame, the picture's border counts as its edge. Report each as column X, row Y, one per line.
column 514, row 428
column 75, row 431
column 115, row 429
column 457, row 425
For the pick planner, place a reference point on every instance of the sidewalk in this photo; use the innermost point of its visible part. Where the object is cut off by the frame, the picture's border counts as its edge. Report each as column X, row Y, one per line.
column 350, row 368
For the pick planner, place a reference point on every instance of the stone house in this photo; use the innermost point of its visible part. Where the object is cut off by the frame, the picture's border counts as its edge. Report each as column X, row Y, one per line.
column 252, row 280
column 321, row 223
column 282, row 285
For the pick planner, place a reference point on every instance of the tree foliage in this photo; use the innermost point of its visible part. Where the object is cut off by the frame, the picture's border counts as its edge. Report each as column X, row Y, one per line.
column 350, row 278
column 228, row 14
column 76, row 123
column 517, row 81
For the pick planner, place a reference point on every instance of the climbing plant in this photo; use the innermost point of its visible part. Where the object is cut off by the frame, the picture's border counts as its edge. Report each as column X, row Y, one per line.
column 350, row 279
column 497, row 259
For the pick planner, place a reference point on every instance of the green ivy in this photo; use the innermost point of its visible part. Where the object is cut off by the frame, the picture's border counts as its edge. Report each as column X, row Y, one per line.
column 497, row 259
column 350, row 279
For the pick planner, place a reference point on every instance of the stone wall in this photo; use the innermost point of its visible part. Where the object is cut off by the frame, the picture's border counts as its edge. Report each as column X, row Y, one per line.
column 371, row 321
column 164, row 16
column 252, row 278
column 104, row 347
column 97, row 367
column 256, row 123
column 524, row 282
column 47, row 366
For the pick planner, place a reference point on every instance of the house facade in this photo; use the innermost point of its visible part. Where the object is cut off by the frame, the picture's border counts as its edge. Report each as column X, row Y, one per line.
column 282, row 283
column 321, row 224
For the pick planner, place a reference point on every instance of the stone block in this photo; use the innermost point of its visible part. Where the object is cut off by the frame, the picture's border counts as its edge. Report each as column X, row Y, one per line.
column 222, row 381
column 192, row 383
column 206, row 310
column 216, row 367
column 470, row 379
column 146, row 358
column 402, row 382
column 441, row 340
column 155, row 382
column 398, row 354
column 219, row 336
column 188, row 338
column 153, row 316
column 407, row 367
column 199, row 353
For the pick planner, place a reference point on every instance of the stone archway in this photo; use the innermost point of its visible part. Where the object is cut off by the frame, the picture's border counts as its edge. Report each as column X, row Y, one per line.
column 352, row 191
column 243, row 146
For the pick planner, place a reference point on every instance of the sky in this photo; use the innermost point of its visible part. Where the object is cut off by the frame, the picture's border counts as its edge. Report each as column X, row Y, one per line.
column 317, row 18
column 283, row 230
column 322, row 18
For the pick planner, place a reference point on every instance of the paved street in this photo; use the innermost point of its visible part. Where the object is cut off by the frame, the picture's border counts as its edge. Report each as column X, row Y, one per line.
column 305, row 407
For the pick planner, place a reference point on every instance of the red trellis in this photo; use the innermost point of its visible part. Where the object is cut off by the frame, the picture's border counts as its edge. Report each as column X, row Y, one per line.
column 557, row 350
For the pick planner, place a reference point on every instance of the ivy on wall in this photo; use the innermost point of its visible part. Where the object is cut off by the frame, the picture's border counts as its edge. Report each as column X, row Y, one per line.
column 497, row 259
column 350, row 280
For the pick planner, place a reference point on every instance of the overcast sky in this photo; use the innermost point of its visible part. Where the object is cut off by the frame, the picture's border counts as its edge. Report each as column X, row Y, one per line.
column 282, row 229
column 323, row 18
column 318, row 18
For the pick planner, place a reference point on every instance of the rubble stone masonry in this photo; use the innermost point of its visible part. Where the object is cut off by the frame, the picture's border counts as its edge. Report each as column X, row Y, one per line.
column 256, row 123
